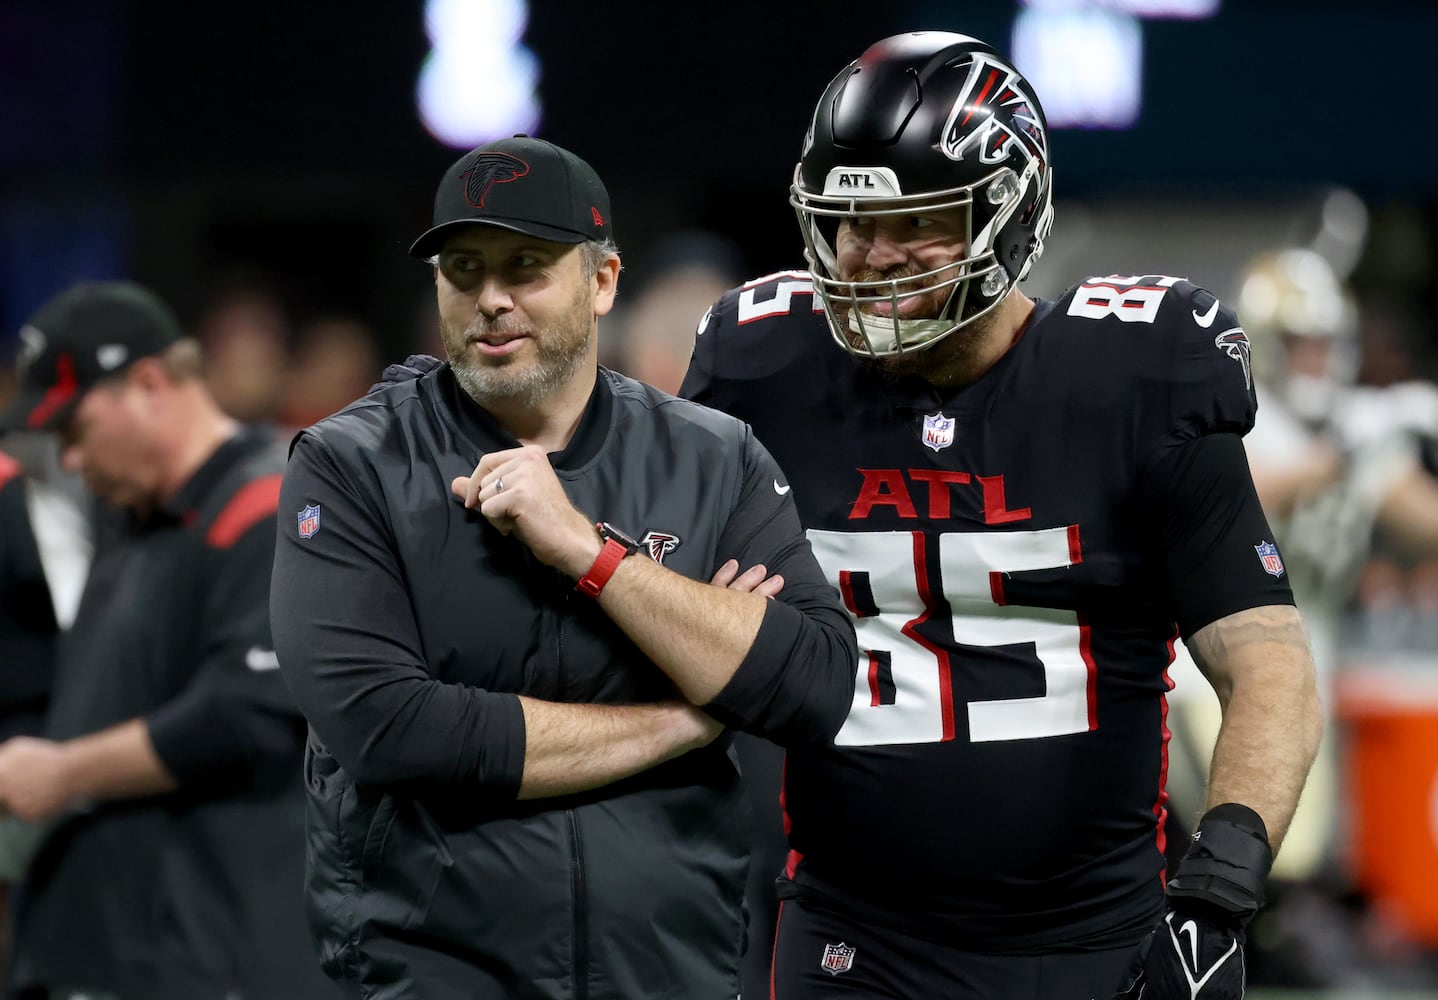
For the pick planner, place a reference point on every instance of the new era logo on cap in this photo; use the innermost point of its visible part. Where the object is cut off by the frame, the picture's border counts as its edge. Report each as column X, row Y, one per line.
column 522, row 184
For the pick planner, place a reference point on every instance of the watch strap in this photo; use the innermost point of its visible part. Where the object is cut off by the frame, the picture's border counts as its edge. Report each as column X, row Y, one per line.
column 598, row 574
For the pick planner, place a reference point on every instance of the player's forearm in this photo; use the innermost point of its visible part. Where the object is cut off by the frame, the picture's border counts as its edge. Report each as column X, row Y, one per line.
column 1261, row 669
column 116, row 763
column 573, row 748
column 695, row 633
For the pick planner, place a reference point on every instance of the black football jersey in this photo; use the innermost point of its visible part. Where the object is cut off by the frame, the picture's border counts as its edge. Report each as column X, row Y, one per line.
column 999, row 780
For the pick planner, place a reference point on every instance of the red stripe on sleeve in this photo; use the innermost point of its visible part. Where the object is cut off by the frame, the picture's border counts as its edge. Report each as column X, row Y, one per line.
column 254, row 502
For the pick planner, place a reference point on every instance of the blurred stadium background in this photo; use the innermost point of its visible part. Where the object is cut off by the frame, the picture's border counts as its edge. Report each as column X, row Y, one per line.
column 264, row 167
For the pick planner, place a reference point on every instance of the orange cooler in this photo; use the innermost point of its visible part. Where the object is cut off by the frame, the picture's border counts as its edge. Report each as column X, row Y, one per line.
column 1390, row 745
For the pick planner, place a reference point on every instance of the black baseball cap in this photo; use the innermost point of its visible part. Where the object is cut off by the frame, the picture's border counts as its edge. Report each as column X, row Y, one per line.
column 524, row 184
column 85, row 334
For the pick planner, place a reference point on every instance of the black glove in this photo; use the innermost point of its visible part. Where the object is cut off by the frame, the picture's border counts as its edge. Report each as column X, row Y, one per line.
column 414, row 366
column 1196, row 951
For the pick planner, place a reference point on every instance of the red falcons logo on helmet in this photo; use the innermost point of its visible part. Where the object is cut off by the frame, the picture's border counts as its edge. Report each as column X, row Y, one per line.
column 487, row 170
column 976, row 123
column 659, row 544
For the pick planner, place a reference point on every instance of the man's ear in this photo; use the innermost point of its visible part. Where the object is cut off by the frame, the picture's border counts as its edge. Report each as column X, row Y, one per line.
column 606, row 285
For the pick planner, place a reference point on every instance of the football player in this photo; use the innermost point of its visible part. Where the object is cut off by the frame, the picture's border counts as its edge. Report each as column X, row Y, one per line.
column 1023, row 504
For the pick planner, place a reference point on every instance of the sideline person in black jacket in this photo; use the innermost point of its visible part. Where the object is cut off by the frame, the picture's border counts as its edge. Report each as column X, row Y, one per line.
column 512, row 792
column 167, row 775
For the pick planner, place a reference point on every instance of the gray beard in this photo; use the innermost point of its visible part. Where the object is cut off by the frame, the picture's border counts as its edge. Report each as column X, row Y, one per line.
column 527, row 386
column 560, row 351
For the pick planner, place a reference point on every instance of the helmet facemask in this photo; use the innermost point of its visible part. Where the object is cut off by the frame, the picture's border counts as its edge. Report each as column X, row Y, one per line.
column 976, row 280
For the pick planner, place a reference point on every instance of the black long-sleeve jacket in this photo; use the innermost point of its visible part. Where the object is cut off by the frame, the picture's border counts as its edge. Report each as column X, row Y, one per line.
column 407, row 627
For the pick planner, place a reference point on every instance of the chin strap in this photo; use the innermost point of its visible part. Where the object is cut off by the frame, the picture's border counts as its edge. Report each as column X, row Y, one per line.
column 884, row 334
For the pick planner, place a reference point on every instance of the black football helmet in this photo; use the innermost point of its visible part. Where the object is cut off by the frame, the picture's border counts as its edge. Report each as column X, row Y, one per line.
column 925, row 121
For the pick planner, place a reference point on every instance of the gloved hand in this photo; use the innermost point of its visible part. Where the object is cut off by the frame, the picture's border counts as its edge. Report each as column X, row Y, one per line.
column 1196, row 951
column 414, row 366
column 1188, row 956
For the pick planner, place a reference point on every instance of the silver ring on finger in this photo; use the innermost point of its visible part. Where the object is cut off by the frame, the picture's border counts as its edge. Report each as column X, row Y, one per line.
column 499, row 485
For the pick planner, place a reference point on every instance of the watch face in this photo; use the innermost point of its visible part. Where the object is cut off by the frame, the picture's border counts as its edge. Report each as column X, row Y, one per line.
column 608, row 530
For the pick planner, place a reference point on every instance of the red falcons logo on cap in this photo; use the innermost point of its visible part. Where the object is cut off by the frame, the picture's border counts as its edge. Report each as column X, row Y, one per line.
column 487, row 170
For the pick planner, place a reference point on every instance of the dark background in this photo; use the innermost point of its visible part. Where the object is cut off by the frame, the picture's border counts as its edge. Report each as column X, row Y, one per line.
column 182, row 143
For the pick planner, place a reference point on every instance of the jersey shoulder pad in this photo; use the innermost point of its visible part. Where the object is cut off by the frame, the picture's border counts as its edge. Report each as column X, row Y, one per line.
column 1179, row 340
column 757, row 329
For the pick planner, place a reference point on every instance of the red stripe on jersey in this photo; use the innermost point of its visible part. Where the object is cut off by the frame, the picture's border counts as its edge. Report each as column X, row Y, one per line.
column 846, row 591
column 803, row 275
column 873, row 680
column 784, row 800
column 9, row 468
column 1121, row 288
column 946, row 699
column 774, row 953
column 996, row 588
column 58, row 395
column 1160, row 804
column 1075, row 548
column 1091, row 686
column 251, row 504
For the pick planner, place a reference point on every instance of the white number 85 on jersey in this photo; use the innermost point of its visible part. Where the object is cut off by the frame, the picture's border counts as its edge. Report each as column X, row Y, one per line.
column 883, row 579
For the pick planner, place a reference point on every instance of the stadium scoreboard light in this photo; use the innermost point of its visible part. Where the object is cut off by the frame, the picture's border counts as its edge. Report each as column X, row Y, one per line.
column 1086, row 56
column 479, row 82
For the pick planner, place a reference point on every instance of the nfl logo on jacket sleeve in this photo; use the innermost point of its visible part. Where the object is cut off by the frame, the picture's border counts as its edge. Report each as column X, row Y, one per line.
column 838, row 958
column 309, row 520
column 1268, row 555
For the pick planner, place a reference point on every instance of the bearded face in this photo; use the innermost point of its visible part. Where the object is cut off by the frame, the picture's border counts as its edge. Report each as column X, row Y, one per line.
column 529, row 373
column 517, row 314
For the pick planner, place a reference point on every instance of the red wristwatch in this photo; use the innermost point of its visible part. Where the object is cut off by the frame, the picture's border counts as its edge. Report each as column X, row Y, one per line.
column 617, row 545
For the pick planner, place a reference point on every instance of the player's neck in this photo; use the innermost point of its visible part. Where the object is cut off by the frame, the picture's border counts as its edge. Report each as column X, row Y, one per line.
column 966, row 356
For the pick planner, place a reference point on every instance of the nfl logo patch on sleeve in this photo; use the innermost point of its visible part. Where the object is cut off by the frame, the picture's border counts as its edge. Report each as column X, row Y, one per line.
column 1268, row 555
column 838, row 958
column 309, row 520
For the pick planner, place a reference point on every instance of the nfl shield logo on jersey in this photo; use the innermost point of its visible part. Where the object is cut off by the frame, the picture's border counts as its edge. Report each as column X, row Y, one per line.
column 309, row 520
column 1268, row 555
column 838, row 958
column 938, row 431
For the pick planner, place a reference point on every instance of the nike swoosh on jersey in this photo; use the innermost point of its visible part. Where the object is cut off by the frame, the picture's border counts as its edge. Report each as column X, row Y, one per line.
column 1206, row 320
column 260, row 660
column 781, row 490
